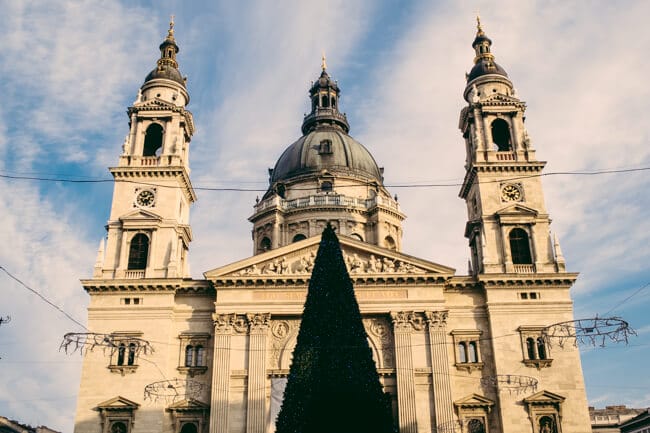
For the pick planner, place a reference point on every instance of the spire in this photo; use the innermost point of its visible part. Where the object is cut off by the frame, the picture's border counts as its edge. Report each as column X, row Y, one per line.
column 167, row 66
column 484, row 60
column 324, row 95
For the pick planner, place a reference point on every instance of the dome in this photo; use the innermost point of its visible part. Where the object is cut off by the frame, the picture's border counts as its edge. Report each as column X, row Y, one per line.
column 166, row 71
column 326, row 148
column 485, row 67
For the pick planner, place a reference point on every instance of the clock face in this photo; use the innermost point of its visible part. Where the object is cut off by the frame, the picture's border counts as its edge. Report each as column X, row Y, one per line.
column 511, row 192
column 145, row 198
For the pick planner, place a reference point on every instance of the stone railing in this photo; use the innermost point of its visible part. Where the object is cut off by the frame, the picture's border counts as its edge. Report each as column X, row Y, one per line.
column 505, row 156
column 148, row 161
column 134, row 274
column 326, row 200
column 524, row 269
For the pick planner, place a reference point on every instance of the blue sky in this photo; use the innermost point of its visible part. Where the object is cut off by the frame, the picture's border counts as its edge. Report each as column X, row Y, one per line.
column 71, row 68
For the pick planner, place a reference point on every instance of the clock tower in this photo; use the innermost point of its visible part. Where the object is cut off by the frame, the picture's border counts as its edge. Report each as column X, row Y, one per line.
column 148, row 228
column 508, row 226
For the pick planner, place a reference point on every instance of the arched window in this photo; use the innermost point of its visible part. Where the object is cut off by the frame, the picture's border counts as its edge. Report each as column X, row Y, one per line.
column 530, row 348
column 472, row 353
column 153, row 139
column 326, row 186
column 121, row 350
column 333, row 102
column 547, row 425
column 118, row 427
column 520, row 247
column 265, row 244
column 501, row 135
column 475, row 426
column 138, row 252
column 541, row 348
column 189, row 427
column 389, row 243
column 131, row 353
column 356, row 236
column 299, row 237
column 189, row 355
column 462, row 352
column 326, row 101
column 199, row 356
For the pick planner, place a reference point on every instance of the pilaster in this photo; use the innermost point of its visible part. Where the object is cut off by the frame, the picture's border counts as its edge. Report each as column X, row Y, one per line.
column 256, row 412
column 437, row 326
column 403, row 323
column 221, row 373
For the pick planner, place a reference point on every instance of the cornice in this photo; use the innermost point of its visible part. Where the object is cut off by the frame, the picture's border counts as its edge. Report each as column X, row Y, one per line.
column 164, row 171
column 177, row 285
column 557, row 279
column 302, row 281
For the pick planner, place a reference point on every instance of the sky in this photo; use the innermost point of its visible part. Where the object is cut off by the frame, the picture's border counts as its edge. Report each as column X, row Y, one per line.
column 70, row 69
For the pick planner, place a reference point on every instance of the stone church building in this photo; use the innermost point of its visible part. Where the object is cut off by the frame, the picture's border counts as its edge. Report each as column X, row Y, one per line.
column 456, row 353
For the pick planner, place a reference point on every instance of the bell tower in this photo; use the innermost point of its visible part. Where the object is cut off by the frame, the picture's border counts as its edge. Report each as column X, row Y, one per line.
column 508, row 226
column 148, row 228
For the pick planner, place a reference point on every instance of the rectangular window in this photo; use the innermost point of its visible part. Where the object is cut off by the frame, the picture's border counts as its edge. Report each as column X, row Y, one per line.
column 193, row 355
column 535, row 349
column 467, row 349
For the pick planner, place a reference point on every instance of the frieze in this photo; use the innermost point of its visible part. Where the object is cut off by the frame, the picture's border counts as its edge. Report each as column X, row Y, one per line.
column 356, row 264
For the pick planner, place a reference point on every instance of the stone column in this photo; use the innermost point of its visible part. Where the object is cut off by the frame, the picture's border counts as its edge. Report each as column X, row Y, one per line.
column 221, row 373
column 437, row 324
column 402, row 328
column 256, row 409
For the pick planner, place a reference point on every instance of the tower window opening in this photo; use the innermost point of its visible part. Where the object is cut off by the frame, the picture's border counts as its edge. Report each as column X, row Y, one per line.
column 389, row 243
column 541, row 348
column 520, row 247
column 189, row 427
column 325, row 101
column 472, row 354
column 138, row 252
column 131, row 360
column 121, row 351
column 530, row 348
column 153, row 140
column 333, row 102
column 462, row 352
column 265, row 244
column 501, row 135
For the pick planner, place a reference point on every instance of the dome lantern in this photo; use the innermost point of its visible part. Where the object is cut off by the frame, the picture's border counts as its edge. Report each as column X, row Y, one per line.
column 324, row 94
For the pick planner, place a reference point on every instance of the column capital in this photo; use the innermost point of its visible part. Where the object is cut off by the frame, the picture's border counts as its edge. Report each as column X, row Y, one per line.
column 258, row 322
column 222, row 323
column 407, row 321
column 437, row 319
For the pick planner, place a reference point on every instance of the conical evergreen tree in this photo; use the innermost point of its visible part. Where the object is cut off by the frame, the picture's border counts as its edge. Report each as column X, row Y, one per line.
column 333, row 384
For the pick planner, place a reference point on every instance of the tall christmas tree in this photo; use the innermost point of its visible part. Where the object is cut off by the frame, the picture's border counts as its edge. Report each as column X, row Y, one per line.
column 333, row 384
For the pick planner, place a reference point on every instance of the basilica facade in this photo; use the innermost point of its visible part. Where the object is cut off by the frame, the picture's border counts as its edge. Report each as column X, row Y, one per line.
column 456, row 353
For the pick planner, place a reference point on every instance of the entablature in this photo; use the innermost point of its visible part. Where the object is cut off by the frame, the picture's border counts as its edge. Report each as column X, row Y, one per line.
column 182, row 285
column 179, row 172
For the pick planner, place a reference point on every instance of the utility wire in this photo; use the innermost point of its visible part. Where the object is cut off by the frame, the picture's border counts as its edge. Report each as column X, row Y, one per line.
column 44, row 298
column 639, row 290
column 398, row 185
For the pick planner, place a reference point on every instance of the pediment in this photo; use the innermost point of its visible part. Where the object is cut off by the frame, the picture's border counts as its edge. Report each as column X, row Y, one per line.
column 474, row 400
column 117, row 403
column 500, row 99
column 140, row 215
column 517, row 209
column 544, row 397
column 155, row 104
column 188, row 405
column 297, row 259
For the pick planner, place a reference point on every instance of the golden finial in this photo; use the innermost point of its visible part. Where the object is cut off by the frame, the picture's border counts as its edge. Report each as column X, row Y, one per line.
column 170, row 33
column 323, row 63
column 479, row 29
